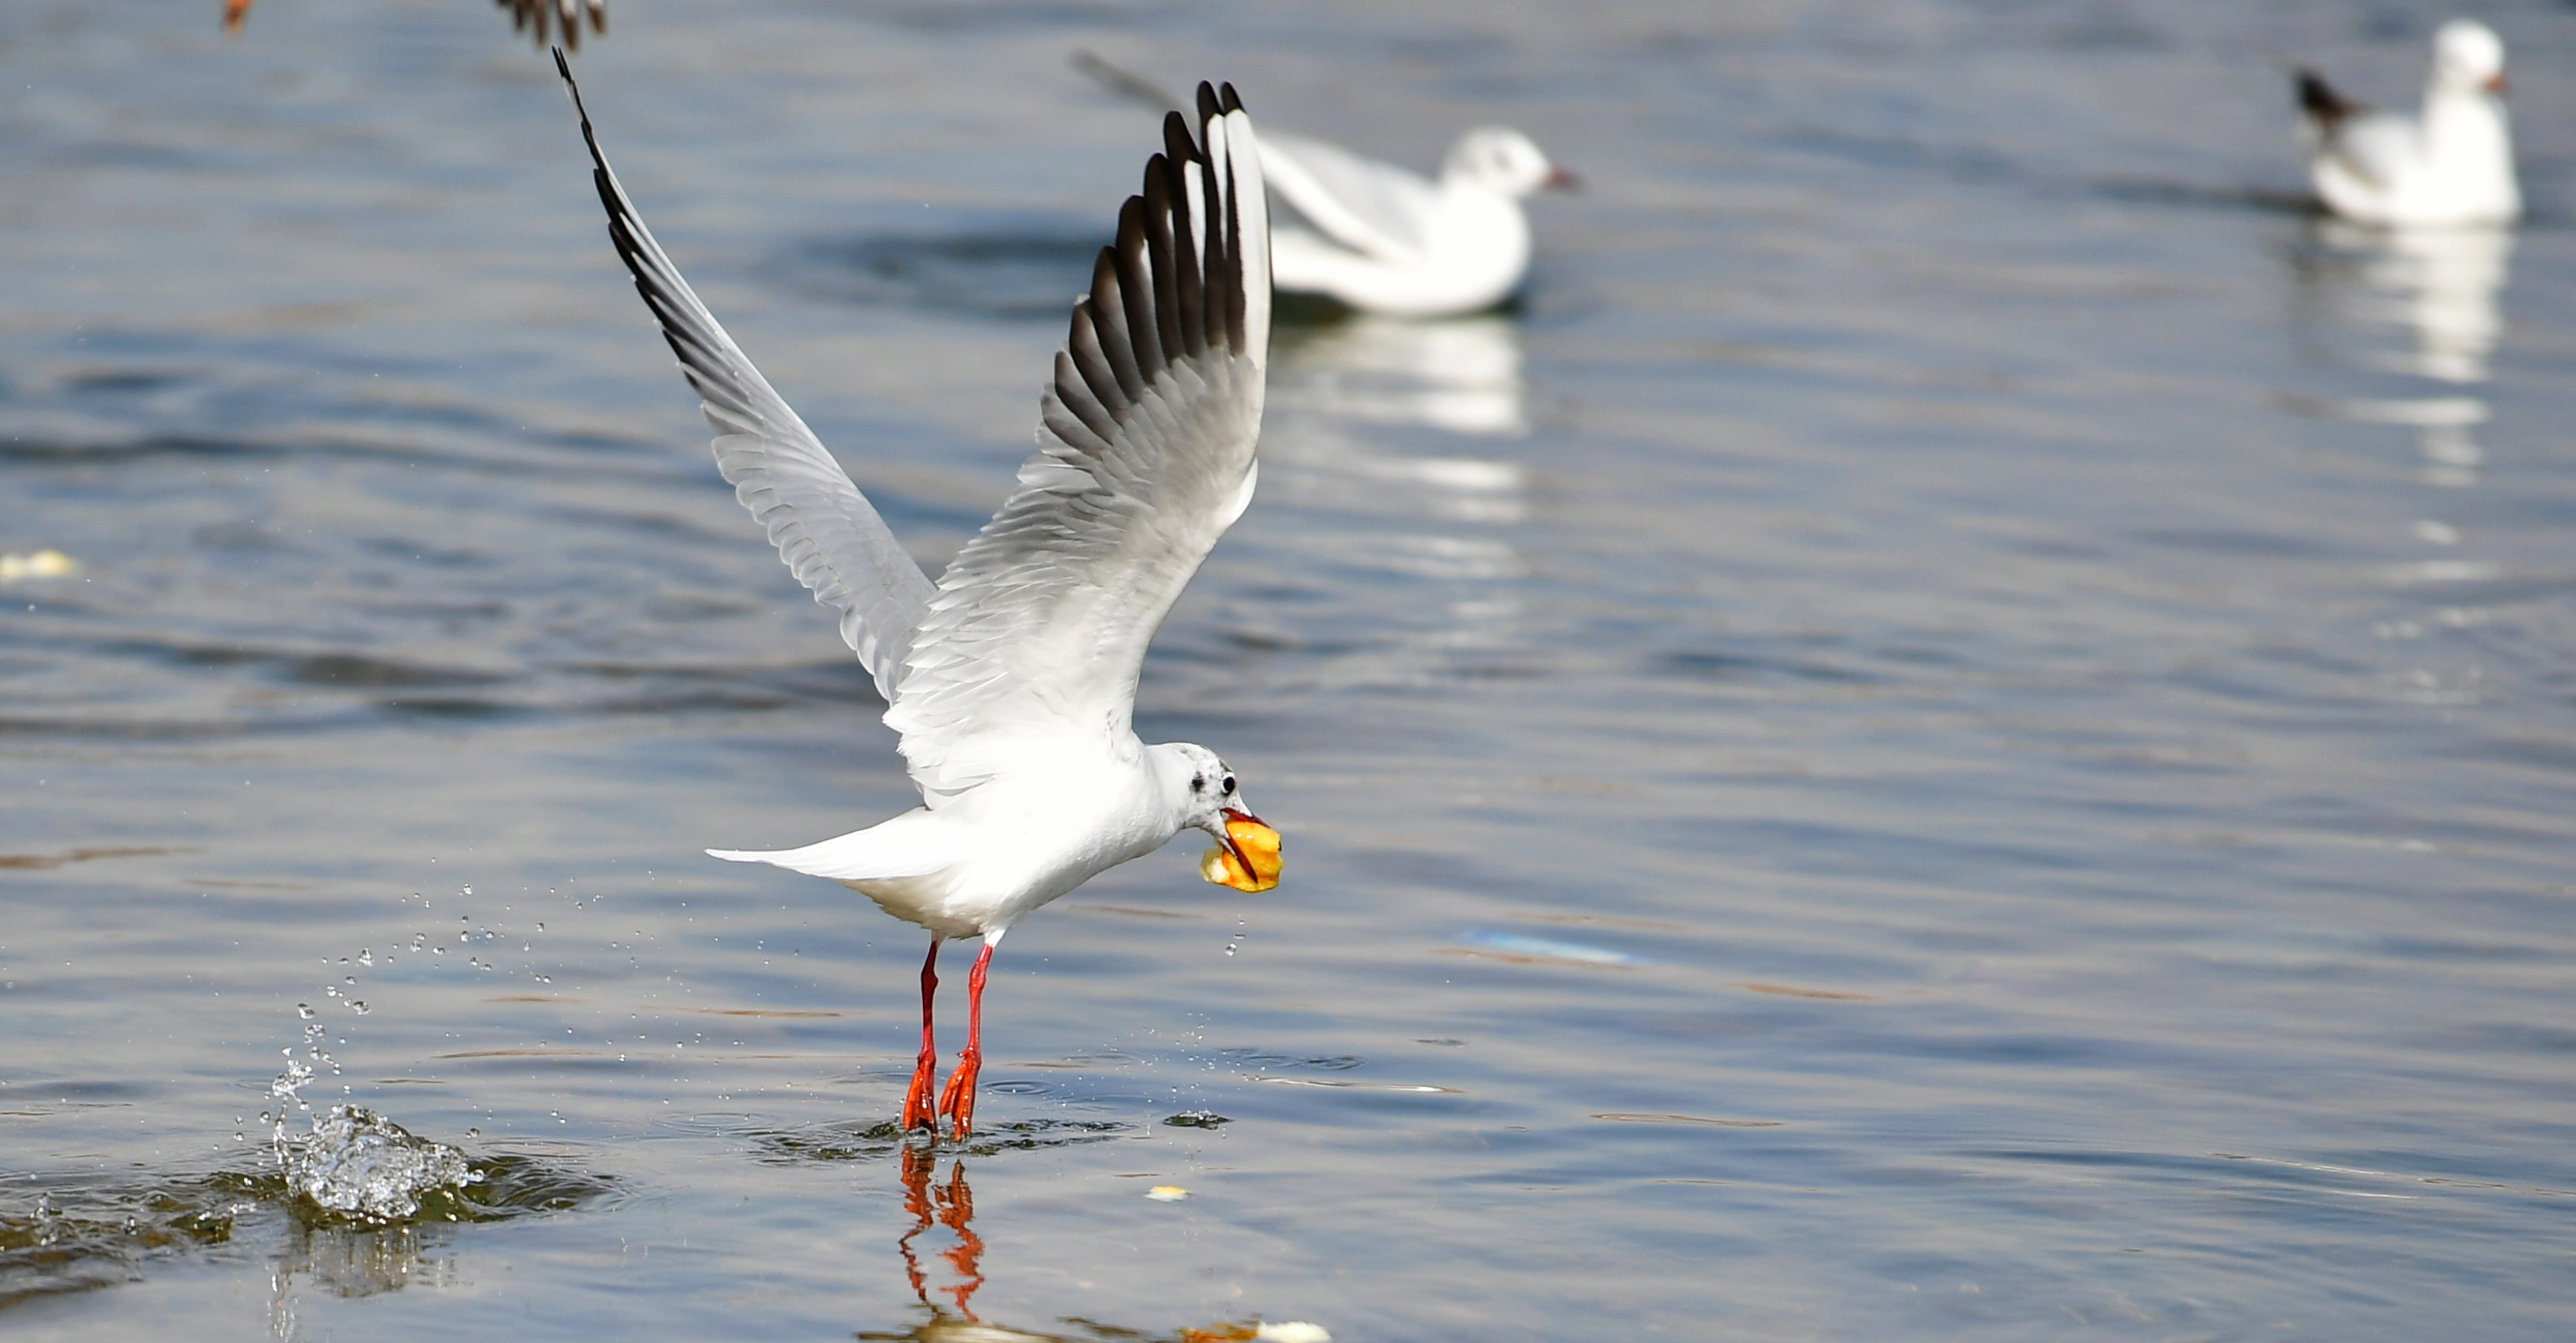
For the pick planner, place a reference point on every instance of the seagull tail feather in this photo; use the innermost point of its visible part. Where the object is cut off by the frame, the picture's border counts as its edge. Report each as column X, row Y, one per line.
column 914, row 844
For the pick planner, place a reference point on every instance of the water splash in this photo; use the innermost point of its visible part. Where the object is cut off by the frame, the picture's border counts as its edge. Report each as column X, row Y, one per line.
column 361, row 1165
column 355, row 1163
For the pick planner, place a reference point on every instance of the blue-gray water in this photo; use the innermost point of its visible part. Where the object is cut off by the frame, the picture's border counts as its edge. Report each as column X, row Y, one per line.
column 1963, row 727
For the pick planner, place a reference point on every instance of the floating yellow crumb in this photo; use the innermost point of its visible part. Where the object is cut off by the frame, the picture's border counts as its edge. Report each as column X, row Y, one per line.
column 41, row 564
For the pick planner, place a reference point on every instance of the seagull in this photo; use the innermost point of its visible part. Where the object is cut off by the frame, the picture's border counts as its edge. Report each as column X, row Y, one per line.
column 1384, row 239
column 2452, row 166
column 1389, row 241
column 1012, row 680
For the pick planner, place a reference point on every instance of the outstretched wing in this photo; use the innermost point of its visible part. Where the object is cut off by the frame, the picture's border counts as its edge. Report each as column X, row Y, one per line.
column 827, row 532
column 1145, row 456
column 1369, row 207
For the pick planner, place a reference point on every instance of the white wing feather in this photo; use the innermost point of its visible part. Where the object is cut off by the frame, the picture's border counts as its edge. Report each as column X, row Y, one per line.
column 1369, row 207
column 1034, row 640
column 2376, row 147
column 827, row 532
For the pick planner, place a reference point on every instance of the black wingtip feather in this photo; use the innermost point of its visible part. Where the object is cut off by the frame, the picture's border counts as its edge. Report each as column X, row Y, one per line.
column 2318, row 98
column 1162, row 207
column 1138, row 289
column 1171, row 287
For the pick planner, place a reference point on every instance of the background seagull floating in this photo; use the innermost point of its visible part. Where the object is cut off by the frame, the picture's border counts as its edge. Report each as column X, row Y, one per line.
column 1012, row 680
column 2454, row 165
column 1385, row 239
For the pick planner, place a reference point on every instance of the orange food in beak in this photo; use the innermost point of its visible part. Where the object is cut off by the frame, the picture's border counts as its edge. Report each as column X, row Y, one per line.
column 1248, row 860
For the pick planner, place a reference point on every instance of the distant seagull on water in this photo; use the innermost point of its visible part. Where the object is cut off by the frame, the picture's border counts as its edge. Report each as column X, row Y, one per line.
column 1013, row 678
column 1384, row 239
column 2451, row 166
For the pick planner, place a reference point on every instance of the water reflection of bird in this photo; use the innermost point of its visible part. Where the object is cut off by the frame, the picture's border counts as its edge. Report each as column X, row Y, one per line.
column 2442, row 284
column 951, row 1204
column 2453, row 165
column 1461, row 374
column 1012, row 681
column 1385, row 239
column 548, row 18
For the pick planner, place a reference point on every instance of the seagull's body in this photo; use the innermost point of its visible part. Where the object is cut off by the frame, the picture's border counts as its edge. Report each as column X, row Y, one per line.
column 1013, row 678
column 1382, row 239
column 2451, row 166
column 972, row 868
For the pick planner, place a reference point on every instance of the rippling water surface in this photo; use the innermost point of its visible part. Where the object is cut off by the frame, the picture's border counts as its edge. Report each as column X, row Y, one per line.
column 1961, row 727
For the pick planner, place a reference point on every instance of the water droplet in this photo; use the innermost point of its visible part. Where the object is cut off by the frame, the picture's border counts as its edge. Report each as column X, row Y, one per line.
column 541, row 927
column 304, row 1010
column 358, row 1007
column 366, row 957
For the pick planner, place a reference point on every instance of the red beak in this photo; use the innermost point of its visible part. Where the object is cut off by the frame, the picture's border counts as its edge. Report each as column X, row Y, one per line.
column 2496, row 84
column 1558, row 179
column 1239, row 814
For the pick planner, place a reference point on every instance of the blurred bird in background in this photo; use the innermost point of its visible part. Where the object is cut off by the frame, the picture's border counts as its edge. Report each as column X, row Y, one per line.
column 2452, row 165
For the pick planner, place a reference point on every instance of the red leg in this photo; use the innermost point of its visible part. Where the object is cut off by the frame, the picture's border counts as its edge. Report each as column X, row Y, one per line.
column 916, row 1102
column 958, row 1100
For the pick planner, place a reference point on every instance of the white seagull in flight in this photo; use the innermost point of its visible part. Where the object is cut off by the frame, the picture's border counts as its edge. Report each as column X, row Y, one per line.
column 1013, row 678
column 2451, row 166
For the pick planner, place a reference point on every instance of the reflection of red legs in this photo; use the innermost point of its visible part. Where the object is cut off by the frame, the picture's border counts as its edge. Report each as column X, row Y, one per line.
column 917, row 1162
column 954, row 1207
column 957, row 1213
column 958, row 1100
column 916, row 1102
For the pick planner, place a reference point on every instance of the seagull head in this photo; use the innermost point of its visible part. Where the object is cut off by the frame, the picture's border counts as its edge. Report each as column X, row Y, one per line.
column 1501, row 160
column 2467, row 54
column 1246, row 856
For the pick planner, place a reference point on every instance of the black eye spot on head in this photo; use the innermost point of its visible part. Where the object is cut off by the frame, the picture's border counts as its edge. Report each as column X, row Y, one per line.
column 1229, row 785
column 1198, row 784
